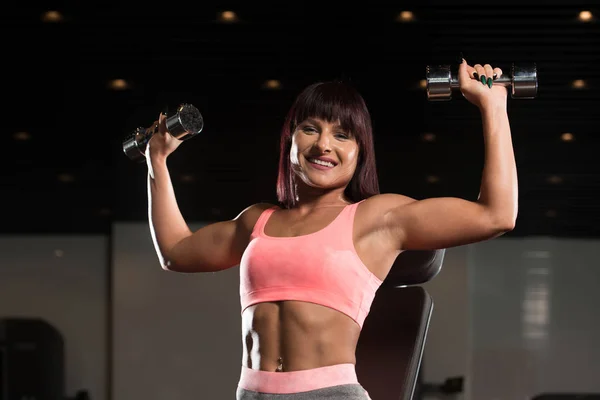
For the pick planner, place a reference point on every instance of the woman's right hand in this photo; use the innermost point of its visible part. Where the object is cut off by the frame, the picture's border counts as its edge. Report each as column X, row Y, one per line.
column 162, row 143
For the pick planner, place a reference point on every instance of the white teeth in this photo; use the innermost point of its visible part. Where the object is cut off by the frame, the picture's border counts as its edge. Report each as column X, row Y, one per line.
column 325, row 163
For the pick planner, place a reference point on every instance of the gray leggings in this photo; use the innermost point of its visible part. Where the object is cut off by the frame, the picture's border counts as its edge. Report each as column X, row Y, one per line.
column 340, row 392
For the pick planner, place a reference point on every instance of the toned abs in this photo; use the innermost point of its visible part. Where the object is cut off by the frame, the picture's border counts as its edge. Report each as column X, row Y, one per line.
column 294, row 335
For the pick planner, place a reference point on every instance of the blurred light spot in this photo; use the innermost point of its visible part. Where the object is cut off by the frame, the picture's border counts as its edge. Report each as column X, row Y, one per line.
column 59, row 253
column 187, row 178
column 22, row 136
column 585, row 16
column 405, row 16
column 554, row 179
column 52, row 16
column 432, row 179
column 579, row 84
column 272, row 84
column 536, row 311
column 567, row 137
column 65, row 178
column 538, row 271
column 228, row 16
column 118, row 84
column 429, row 137
column 537, row 254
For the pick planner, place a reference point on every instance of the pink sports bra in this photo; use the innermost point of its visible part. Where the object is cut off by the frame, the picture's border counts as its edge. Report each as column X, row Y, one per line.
column 321, row 268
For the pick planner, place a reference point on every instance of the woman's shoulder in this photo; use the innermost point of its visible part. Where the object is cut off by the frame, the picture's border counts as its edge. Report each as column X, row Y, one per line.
column 248, row 217
column 385, row 201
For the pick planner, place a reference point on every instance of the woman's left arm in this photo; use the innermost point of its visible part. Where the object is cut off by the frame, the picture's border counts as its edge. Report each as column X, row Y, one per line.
column 437, row 223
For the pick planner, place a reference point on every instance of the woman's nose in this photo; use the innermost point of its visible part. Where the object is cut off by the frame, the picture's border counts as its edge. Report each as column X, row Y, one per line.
column 323, row 143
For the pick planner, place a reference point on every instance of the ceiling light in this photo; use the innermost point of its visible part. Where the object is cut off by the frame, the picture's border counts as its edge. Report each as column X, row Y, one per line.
column 578, row 84
column 228, row 16
column 554, row 179
column 22, row 136
column 52, row 16
column 118, row 84
column 405, row 16
column 65, row 178
column 429, row 137
column 585, row 16
column 272, row 84
column 567, row 137
column 187, row 178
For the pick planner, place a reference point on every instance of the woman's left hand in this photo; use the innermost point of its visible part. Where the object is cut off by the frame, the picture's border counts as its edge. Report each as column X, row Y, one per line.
column 476, row 85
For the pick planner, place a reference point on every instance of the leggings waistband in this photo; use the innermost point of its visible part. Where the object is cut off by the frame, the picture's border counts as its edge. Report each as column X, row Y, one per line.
column 297, row 381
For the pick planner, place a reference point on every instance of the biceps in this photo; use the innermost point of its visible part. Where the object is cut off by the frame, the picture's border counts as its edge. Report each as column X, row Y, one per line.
column 441, row 223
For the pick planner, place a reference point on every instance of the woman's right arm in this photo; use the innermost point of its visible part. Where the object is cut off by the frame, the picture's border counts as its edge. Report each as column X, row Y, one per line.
column 212, row 248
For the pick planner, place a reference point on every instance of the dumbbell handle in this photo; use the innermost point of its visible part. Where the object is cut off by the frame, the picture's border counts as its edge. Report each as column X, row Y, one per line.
column 502, row 81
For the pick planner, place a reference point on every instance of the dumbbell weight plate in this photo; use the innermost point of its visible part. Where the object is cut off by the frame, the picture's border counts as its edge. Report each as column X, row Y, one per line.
column 134, row 146
column 439, row 83
column 524, row 81
column 186, row 123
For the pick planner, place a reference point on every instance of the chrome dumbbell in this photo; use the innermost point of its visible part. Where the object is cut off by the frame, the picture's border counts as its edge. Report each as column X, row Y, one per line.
column 186, row 123
column 522, row 82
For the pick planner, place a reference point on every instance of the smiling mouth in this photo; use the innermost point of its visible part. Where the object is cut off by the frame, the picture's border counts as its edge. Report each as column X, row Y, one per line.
column 321, row 162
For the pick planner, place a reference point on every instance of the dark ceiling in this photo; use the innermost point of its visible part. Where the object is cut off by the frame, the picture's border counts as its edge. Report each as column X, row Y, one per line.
column 73, row 177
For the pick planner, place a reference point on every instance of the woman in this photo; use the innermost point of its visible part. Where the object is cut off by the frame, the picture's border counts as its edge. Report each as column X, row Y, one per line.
column 310, row 267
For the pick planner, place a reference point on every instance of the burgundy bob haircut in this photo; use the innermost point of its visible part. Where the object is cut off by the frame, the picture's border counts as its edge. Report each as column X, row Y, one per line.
column 332, row 102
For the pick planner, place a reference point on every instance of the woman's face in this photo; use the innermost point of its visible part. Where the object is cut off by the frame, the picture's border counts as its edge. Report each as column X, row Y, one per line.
column 323, row 155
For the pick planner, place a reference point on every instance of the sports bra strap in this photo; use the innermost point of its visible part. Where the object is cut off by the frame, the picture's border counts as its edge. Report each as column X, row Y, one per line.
column 262, row 220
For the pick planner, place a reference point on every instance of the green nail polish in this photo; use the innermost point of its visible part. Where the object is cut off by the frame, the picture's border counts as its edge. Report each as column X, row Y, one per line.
column 490, row 82
column 483, row 79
